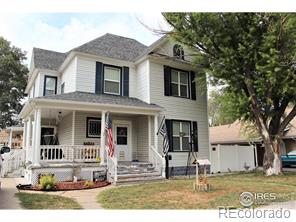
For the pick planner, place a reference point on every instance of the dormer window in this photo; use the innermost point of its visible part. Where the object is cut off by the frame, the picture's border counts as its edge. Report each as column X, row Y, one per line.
column 50, row 85
column 178, row 51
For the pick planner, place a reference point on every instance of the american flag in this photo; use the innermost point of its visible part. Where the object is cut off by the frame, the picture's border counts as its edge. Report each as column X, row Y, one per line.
column 108, row 130
column 163, row 131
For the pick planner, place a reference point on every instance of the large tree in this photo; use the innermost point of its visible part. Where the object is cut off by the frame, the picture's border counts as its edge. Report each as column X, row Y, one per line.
column 253, row 55
column 13, row 80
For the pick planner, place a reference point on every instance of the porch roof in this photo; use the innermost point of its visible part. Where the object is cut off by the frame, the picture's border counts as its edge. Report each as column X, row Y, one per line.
column 98, row 101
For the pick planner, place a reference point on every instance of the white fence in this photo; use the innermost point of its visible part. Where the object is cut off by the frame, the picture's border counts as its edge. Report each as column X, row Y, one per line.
column 227, row 158
column 71, row 153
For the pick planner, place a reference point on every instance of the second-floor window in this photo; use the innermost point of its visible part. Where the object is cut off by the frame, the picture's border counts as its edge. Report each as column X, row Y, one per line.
column 112, row 80
column 50, row 85
column 179, row 83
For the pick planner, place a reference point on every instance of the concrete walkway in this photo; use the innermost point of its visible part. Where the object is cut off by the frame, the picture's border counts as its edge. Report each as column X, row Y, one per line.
column 8, row 200
column 86, row 198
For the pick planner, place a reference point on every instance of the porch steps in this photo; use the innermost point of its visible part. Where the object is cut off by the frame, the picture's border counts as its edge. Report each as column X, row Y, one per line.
column 137, row 172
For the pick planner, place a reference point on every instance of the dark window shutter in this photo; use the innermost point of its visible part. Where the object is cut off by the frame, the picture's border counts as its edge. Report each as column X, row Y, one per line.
column 193, row 87
column 99, row 78
column 169, row 127
column 125, row 91
column 167, row 81
column 195, row 136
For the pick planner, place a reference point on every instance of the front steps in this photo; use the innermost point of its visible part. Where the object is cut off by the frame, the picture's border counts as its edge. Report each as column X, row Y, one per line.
column 137, row 172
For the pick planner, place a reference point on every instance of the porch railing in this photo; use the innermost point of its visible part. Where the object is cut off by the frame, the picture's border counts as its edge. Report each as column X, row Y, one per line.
column 71, row 153
column 157, row 160
column 13, row 161
column 111, row 167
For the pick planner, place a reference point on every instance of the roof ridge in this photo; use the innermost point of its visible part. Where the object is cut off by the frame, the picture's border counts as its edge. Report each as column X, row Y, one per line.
column 48, row 50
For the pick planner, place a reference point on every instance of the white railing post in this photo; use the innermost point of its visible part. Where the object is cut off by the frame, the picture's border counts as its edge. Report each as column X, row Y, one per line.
column 155, row 131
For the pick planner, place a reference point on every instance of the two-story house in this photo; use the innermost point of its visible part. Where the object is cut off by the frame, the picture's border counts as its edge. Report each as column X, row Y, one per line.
column 69, row 95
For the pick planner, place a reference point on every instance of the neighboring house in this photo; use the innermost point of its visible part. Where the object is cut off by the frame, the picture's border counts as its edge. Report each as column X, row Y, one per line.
column 70, row 94
column 12, row 137
column 230, row 139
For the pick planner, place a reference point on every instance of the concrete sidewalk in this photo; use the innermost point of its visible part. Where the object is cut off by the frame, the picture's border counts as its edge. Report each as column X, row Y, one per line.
column 86, row 198
column 8, row 200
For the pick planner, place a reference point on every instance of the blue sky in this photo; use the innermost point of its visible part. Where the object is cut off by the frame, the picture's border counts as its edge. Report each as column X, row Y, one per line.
column 64, row 31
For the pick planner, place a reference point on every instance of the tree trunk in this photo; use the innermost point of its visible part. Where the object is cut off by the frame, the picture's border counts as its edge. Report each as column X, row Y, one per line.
column 272, row 163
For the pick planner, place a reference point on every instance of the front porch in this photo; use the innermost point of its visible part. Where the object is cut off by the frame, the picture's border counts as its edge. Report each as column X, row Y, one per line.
column 64, row 136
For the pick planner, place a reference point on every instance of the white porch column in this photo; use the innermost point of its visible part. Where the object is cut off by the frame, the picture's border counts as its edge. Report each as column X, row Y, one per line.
column 73, row 127
column 155, row 131
column 10, row 138
column 24, row 135
column 28, row 140
column 37, row 136
column 102, row 148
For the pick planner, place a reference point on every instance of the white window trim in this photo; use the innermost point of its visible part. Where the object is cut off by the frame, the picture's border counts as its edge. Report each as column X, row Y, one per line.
column 179, row 83
column 88, row 124
column 112, row 80
column 181, row 137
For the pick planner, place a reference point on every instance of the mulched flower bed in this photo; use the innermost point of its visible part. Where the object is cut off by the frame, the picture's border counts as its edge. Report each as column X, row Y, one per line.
column 64, row 186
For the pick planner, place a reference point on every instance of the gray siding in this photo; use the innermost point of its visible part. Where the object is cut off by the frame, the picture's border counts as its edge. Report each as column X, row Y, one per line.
column 142, row 139
column 65, row 130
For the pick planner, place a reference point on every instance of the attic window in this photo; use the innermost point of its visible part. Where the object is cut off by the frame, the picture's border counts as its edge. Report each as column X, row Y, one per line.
column 178, row 51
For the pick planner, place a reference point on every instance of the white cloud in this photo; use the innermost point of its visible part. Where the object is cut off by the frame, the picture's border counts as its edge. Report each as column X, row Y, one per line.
column 28, row 31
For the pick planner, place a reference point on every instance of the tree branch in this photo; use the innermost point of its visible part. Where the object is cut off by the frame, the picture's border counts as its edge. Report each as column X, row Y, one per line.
column 287, row 120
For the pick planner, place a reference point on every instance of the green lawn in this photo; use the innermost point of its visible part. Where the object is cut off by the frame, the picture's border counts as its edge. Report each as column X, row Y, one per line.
column 179, row 193
column 46, row 201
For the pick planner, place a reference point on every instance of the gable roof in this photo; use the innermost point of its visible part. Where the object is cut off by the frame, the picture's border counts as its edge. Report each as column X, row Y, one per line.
column 101, row 99
column 46, row 59
column 227, row 134
column 113, row 46
column 108, row 45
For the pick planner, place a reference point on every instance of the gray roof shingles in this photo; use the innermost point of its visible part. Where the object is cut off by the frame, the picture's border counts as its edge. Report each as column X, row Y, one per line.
column 45, row 59
column 108, row 45
column 101, row 99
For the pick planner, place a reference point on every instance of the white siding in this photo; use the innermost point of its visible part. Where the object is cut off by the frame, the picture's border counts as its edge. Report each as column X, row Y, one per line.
column 69, row 76
column 182, row 109
column 142, row 81
column 65, row 130
column 80, row 128
column 167, row 49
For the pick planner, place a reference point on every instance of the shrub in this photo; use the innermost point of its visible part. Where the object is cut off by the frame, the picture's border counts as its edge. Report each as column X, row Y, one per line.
column 88, row 183
column 47, row 182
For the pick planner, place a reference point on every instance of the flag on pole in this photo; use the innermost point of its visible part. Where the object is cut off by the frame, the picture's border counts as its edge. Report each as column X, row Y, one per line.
column 108, row 129
column 163, row 131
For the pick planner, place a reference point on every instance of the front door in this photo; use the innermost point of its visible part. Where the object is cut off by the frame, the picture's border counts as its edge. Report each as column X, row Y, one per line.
column 122, row 142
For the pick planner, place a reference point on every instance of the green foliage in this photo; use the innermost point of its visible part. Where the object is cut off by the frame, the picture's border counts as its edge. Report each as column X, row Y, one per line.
column 47, row 182
column 222, row 108
column 251, row 54
column 13, row 80
column 88, row 183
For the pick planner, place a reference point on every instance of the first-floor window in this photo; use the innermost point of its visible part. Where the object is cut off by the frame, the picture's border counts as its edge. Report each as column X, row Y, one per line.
column 93, row 127
column 112, row 80
column 50, row 85
column 181, row 135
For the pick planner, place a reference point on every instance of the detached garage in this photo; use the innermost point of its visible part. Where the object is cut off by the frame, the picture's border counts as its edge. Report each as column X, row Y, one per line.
column 230, row 150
